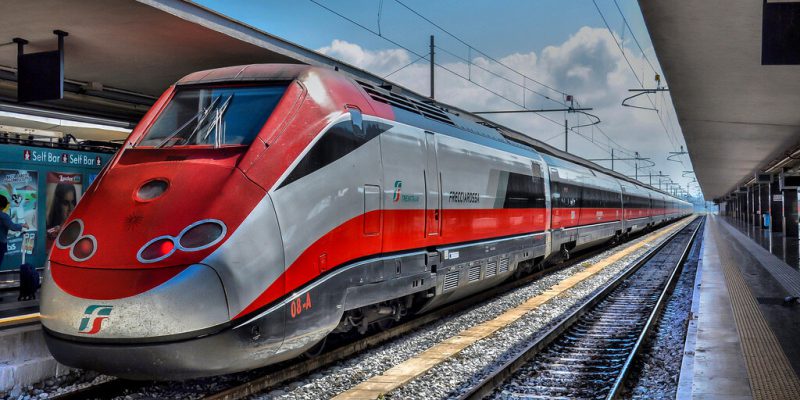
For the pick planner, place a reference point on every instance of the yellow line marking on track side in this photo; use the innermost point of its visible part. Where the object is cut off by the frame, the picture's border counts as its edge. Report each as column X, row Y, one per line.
column 19, row 319
column 410, row 369
column 771, row 373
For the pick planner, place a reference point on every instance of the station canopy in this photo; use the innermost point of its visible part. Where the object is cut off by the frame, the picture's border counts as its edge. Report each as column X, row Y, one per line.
column 733, row 73
column 120, row 55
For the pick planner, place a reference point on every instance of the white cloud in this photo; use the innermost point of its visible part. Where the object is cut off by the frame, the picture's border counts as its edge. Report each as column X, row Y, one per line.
column 382, row 61
column 587, row 65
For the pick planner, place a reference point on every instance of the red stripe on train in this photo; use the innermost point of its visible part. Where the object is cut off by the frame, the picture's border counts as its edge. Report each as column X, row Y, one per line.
column 402, row 230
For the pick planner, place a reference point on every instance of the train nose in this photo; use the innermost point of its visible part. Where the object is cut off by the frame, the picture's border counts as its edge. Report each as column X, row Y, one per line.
column 190, row 302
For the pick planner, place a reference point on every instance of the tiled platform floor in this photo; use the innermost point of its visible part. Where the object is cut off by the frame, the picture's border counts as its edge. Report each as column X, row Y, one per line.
column 742, row 341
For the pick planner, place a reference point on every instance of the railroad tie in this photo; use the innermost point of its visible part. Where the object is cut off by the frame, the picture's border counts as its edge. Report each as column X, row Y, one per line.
column 414, row 367
column 771, row 374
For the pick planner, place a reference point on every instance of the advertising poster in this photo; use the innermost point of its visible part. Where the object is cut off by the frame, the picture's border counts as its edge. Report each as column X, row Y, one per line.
column 64, row 189
column 20, row 188
column 90, row 179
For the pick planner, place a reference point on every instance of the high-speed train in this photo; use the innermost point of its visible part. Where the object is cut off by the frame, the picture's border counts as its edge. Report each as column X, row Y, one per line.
column 256, row 209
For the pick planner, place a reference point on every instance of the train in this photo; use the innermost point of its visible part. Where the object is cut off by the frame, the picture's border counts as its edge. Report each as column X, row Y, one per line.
column 255, row 210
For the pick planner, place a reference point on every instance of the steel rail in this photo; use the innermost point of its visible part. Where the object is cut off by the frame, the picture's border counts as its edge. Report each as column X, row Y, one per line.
column 654, row 317
column 295, row 369
column 496, row 378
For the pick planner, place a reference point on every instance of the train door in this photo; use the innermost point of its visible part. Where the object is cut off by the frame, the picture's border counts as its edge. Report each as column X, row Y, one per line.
column 433, row 199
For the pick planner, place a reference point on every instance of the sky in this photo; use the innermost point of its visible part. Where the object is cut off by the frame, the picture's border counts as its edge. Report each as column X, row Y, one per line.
column 503, row 55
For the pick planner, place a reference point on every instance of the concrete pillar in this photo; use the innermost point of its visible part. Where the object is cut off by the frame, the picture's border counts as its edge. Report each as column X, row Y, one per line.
column 776, row 205
column 743, row 206
column 790, row 212
column 753, row 209
column 763, row 202
column 740, row 206
column 747, row 207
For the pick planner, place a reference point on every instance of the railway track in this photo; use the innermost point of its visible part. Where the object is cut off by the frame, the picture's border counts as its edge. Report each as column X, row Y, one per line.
column 252, row 382
column 288, row 371
column 589, row 354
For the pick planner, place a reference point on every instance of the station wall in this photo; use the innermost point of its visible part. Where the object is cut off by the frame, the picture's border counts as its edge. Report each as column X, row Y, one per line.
column 43, row 185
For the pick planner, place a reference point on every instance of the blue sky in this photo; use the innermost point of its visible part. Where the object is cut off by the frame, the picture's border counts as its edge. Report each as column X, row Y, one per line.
column 503, row 26
column 564, row 44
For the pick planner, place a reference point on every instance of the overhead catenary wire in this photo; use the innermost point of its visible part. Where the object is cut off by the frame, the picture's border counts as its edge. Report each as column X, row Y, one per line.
column 405, row 66
column 466, row 78
column 523, row 86
column 340, row 15
column 477, row 50
column 671, row 136
column 633, row 35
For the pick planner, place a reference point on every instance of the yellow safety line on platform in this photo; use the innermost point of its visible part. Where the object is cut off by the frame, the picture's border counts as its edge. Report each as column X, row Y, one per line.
column 404, row 372
column 19, row 320
column 771, row 374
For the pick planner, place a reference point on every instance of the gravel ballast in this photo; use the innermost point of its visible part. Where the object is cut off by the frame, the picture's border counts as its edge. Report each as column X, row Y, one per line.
column 657, row 369
column 445, row 379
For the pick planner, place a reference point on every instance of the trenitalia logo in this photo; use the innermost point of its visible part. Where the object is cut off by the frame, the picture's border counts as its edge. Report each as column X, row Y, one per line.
column 93, row 317
column 398, row 186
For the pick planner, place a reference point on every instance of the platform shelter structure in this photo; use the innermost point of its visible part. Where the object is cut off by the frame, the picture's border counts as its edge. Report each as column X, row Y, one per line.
column 733, row 71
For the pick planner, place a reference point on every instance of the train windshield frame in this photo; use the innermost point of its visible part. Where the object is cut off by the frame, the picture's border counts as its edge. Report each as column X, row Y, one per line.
column 229, row 115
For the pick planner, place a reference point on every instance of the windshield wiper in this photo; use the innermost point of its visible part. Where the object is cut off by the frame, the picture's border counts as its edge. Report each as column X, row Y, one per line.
column 202, row 114
column 216, row 123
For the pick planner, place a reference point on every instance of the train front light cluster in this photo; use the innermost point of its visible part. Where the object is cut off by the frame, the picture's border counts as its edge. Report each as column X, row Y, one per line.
column 81, row 247
column 197, row 236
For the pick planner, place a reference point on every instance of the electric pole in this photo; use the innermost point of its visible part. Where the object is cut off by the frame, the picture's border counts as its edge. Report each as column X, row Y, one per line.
column 432, row 64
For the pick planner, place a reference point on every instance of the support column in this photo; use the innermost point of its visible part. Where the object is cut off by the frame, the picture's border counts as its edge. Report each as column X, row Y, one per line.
column 790, row 212
column 743, row 213
column 776, row 205
column 752, row 209
column 738, row 205
column 747, row 205
column 763, row 203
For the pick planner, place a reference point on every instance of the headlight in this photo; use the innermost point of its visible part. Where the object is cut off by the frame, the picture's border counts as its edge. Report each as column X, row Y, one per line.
column 201, row 235
column 156, row 250
column 151, row 190
column 83, row 248
column 70, row 234
column 195, row 237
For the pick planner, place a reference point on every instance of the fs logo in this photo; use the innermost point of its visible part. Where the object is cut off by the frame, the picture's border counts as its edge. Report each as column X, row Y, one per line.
column 398, row 186
column 93, row 318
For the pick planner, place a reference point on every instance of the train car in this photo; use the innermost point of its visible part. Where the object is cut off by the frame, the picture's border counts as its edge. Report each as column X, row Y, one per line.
column 636, row 207
column 256, row 209
column 586, row 206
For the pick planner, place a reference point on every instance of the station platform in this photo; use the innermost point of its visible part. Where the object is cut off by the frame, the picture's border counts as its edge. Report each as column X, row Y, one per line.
column 10, row 306
column 742, row 336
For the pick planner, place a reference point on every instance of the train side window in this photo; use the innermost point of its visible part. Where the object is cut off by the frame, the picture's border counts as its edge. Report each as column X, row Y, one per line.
column 591, row 198
column 524, row 191
column 565, row 195
column 337, row 142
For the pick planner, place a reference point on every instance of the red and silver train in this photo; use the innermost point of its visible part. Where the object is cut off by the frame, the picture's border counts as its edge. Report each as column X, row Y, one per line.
column 256, row 209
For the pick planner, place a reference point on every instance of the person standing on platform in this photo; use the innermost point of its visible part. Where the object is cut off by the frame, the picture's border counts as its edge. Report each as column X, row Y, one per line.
column 6, row 224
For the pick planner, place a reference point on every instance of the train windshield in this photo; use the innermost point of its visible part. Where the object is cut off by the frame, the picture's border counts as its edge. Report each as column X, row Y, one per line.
column 213, row 116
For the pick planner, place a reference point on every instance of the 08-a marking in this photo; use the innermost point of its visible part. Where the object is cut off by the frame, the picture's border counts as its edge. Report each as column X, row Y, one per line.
column 299, row 305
